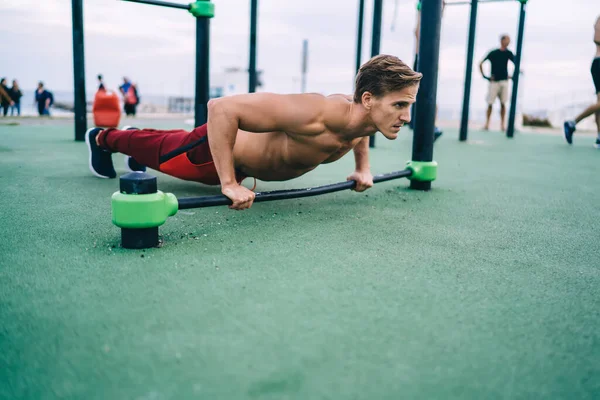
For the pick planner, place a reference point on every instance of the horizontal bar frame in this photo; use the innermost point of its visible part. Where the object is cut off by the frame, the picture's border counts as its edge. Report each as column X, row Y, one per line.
column 221, row 200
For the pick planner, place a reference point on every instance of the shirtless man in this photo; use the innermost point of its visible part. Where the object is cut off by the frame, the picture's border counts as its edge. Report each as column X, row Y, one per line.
column 269, row 136
column 569, row 126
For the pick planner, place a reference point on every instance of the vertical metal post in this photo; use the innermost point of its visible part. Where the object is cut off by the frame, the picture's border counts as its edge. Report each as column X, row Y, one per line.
column 513, row 101
column 252, row 67
column 429, row 54
column 464, row 122
column 359, row 34
column 202, row 70
column 304, row 64
column 79, row 71
column 376, row 41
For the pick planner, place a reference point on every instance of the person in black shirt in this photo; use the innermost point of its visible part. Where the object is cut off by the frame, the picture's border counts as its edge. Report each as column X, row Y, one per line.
column 15, row 94
column 498, row 78
column 569, row 126
column 5, row 100
column 44, row 100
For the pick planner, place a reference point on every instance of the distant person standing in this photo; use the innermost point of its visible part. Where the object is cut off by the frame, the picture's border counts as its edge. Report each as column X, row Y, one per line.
column 101, row 82
column 569, row 126
column 131, row 100
column 130, row 97
column 498, row 87
column 5, row 100
column 15, row 94
column 44, row 99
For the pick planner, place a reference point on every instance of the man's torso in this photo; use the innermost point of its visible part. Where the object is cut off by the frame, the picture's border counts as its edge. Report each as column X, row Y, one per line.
column 274, row 156
column 499, row 60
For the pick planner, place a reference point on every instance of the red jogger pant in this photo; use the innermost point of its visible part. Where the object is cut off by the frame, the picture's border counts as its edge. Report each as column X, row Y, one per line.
column 146, row 146
column 182, row 154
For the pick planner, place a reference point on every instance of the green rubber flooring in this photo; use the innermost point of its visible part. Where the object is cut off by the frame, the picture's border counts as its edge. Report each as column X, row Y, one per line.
column 486, row 287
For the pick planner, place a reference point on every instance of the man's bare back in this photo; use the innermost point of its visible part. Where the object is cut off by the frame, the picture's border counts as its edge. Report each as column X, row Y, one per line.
column 279, row 155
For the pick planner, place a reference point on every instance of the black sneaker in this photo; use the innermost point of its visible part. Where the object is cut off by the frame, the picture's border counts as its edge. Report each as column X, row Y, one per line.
column 130, row 164
column 569, row 129
column 100, row 162
column 597, row 144
column 437, row 133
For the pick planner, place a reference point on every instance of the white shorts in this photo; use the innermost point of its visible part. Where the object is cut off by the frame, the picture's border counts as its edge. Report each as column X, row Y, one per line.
column 498, row 89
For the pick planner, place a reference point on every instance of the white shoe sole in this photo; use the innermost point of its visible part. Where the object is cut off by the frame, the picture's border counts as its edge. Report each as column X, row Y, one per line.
column 126, row 128
column 87, row 141
column 127, row 165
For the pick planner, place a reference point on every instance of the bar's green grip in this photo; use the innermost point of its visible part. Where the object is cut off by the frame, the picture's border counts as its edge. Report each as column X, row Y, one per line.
column 142, row 210
column 424, row 171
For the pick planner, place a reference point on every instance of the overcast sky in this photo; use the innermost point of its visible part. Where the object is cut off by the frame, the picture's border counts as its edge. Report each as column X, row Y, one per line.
column 155, row 46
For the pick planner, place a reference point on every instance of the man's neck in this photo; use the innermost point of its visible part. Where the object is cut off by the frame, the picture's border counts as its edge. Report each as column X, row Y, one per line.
column 360, row 124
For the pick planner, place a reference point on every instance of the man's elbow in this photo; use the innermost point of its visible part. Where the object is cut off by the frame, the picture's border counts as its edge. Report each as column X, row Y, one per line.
column 212, row 104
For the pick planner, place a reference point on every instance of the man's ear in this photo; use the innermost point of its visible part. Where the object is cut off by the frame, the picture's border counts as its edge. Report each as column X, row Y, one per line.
column 367, row 100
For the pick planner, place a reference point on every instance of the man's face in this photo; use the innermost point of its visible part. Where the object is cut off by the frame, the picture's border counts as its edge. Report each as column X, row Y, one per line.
column 505, row 41
column 392, row 110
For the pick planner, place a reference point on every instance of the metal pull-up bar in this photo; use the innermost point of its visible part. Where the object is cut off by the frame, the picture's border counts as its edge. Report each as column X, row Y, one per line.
column 203, row 10
column 464, row 124
column 162, row 3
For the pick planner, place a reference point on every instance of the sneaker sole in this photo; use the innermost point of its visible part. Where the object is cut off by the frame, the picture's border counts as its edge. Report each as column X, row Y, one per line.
column 568, row 137
column 87, row 141
column 127, row 165
column 126, row 160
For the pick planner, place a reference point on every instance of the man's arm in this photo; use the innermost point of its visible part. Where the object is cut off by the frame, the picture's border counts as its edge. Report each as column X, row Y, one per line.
column 361, row 155
column 481, row 66
column 258, row 112
column 362, row 173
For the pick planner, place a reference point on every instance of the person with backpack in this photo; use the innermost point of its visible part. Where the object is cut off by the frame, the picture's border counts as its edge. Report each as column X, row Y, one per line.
column 44, row 100
column 131, row 100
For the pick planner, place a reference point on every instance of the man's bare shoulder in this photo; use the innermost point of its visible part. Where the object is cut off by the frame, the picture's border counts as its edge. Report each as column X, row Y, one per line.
column 337, row 111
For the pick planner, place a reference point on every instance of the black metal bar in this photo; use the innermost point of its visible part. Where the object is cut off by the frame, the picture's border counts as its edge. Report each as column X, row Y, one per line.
column 79, row 71
column 202, row 70
column 359, row 33
column 161, row 3
column 220, row 200
column 252, row 67
column 376, row 41
column 510, row 132
column 429, row 54
column 464, row 122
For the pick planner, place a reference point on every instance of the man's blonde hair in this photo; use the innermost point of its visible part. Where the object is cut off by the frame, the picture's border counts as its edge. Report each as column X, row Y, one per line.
column 384, row 74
